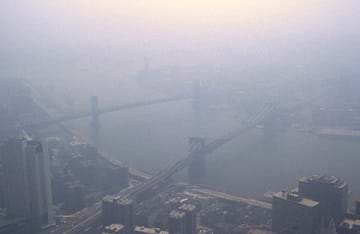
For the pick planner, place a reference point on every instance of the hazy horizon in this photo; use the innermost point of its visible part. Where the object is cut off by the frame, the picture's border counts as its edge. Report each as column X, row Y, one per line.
column 313, row 37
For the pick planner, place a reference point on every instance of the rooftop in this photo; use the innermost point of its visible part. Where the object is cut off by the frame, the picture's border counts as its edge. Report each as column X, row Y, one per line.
column 125, row 202
column 187, row 207
column 177, row 214
column 114, row 228
column 146, row 230
column 293, row 197
column 324, row 179
column 108, row 198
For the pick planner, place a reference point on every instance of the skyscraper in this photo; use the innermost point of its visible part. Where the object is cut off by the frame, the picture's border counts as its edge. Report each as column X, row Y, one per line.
column 327, row 226
column 177, row 222
column 294, row 214
column 329, row 191
column 27, row 185
column 116, row 210
column 190, row 219
column 357, row 208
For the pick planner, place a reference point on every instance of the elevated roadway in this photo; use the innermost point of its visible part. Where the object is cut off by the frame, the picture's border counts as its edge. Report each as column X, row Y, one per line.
column 85, row 114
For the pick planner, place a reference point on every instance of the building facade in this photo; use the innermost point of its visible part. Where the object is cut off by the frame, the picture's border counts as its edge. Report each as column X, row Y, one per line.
column 27, row 185
column 329, row 191
column 190, row 219
column 294, row 214
column 177, row 222
column 118, row 211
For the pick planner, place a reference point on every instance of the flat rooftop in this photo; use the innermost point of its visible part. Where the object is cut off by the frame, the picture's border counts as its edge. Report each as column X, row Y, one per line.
column 295, row 198
column 146, row 230
column 324, row 179
column 114, row 228
column 125, row 202
column 187, row 207
column 177, row 214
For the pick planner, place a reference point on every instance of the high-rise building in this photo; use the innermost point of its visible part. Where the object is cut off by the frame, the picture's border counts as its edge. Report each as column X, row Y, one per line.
column 294, row 214
column 116, row 210
column 74, row 196
column 108, row 211
column 357, row 208
column 190, row 219
column 329, row 191
column 27, row 185
column 327, row 226
column 183, row 220
column 126, row 207
column 177, row 222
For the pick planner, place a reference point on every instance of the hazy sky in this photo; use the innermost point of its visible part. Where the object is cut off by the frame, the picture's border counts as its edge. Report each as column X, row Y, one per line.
column 300, row 32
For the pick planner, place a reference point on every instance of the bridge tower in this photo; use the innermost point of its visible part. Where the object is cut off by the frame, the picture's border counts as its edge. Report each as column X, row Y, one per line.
column 95, row 122
column 270, row 124
column 270, row 120
column 197, row 167
column 198, row 110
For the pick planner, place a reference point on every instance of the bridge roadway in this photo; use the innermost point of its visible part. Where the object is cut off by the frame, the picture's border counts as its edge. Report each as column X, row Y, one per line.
column 112, row 109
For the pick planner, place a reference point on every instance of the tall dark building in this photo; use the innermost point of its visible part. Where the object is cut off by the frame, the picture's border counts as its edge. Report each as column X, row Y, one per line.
column 357, row 208
column 294, row 214
column 329, row 191
column 27, row 185
column 190, row 219
column 177, row 222
column 118, row 211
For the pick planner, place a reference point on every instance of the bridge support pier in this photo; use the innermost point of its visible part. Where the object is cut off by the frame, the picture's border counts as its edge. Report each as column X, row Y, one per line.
column 270, row 130
column 197, row 167
column 270, row 123
column 95, row 122
column 197, row 125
